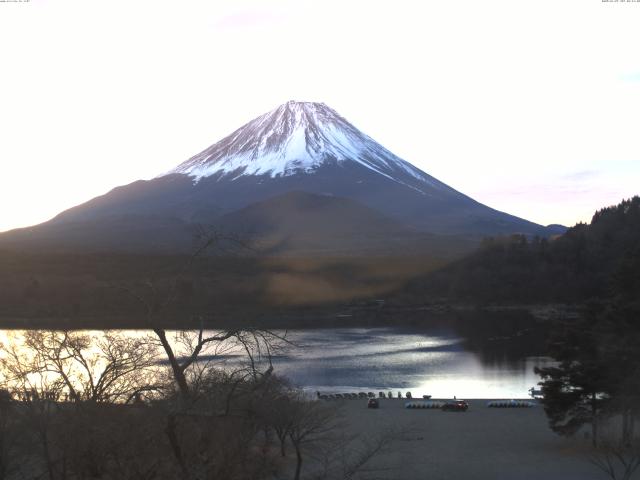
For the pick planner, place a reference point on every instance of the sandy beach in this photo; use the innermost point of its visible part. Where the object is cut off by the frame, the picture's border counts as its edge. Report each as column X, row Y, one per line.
column 481, row 443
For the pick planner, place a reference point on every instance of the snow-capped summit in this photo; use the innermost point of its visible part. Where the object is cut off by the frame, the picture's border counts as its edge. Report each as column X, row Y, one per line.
column 297, row 137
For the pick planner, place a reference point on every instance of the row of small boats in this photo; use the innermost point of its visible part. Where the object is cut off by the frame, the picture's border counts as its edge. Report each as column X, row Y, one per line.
column 428, row 404
column 349, row 396
column 510, row 404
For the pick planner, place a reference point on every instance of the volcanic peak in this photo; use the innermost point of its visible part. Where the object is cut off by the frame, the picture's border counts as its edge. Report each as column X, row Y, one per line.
column 296, row 137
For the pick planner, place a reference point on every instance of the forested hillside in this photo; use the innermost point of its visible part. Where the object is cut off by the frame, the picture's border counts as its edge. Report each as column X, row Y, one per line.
column 578, row 265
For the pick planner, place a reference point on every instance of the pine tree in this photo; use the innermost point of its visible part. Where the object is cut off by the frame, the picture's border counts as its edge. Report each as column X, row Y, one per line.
column 578, row 390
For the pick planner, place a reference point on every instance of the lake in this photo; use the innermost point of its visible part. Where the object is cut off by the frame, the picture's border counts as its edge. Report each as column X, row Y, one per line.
column 435, row 361
column 426, row 362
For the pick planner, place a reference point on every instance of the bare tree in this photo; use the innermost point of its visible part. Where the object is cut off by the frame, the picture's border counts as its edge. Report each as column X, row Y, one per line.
column 74, row 387
column 318, row 436
column 113, row 441
column 183, row 349
column 344, row 457
column 310, row 422
column 10, row 458
column 101, row 367
column 618, row 459
column 281, row 420
column 195, row 357
column 49, row 371
column 36, row 393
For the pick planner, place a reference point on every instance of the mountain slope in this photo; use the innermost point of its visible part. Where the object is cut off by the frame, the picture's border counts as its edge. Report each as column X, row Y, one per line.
column 301, row 147
column 300, row 222
column 294, row 223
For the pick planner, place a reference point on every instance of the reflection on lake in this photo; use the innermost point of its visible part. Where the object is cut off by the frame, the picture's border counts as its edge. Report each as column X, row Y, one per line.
column 426, row 362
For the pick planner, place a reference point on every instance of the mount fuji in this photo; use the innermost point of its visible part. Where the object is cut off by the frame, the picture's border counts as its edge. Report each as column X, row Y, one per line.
column 300, row 176
column 298, row 137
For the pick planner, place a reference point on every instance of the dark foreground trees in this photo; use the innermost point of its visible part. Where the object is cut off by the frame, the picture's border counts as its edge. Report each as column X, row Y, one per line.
column 576, row 391
column 169, row 404
column 79, row 405
column 617, row 459
column 597, row 379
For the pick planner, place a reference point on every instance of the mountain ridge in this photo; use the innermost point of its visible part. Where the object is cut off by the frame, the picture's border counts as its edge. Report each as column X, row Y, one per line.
column 299, row 146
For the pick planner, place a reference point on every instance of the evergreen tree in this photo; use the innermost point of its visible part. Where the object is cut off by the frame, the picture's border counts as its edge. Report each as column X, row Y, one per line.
column 577, row 391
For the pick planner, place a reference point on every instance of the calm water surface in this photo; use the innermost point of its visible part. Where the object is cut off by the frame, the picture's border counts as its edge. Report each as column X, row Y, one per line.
column 434, row 362
column 385, row 359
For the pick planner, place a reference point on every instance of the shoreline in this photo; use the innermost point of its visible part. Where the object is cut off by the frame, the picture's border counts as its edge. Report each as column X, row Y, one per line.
column 357, row 315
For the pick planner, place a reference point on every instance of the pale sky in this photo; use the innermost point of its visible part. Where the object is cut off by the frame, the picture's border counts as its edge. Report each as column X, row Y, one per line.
column 531, row 107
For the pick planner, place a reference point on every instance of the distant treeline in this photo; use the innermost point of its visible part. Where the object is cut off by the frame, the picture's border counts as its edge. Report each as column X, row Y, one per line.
column 48, row 290
column 100, row 290
column 579, row 265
